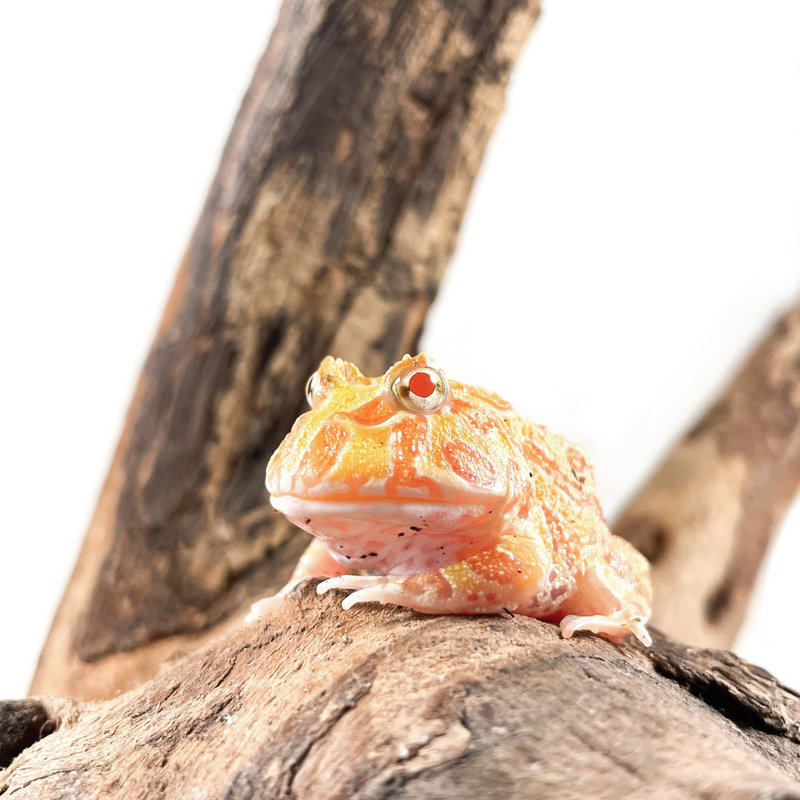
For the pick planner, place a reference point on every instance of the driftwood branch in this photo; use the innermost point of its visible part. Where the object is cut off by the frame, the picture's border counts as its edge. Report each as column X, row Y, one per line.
column 381, row 702
column 706, row 516
column 327, row 228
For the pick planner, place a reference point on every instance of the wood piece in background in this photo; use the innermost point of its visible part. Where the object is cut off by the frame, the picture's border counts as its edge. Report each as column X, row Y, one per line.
column 707, row 515
column 327, row 228
column 381, row 702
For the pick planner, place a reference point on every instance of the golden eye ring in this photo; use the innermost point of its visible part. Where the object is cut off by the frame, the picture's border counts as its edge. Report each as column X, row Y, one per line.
column 422, row 391
column 312, row 384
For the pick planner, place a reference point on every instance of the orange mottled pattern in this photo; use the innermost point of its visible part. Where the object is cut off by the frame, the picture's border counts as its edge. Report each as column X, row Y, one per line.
column 460, row 504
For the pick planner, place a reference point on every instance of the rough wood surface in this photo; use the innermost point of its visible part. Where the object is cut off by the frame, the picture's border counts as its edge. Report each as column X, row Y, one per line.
column 327, row 228
column 381, row 702
column 706, row 516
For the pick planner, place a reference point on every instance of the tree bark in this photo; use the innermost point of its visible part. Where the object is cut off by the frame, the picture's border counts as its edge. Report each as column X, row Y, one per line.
column 327, row 228
column 382, row 702
column 706, row 516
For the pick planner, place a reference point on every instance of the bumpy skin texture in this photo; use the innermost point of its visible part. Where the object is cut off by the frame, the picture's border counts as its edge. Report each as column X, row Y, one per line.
column 461, row 505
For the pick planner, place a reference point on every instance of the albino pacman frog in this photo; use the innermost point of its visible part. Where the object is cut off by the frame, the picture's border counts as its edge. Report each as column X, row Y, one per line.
column 452, row 502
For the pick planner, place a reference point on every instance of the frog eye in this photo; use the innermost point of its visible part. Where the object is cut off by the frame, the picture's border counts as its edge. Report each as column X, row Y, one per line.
column 421, row 390
column 312, row 386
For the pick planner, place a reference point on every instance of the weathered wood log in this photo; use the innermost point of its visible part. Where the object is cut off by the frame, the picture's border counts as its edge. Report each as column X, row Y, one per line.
column 381, row 702
column 706, row 516
column 327, row 228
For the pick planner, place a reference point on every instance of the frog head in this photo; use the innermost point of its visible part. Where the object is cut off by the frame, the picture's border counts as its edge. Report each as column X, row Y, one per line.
column 402, row 473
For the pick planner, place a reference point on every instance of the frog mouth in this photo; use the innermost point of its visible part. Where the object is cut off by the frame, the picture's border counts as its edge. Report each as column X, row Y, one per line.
column 374, row 493
column 299, row 508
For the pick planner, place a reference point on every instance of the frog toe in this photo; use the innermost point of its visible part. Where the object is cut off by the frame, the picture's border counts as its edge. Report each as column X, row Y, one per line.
column 349, row 582
column 263, row 608
column 614, row 626
column 381, row 593
column 368, row 589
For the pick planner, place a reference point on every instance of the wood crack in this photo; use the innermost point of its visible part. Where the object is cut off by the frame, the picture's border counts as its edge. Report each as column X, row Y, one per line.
column 719, row 679
column 296, row 764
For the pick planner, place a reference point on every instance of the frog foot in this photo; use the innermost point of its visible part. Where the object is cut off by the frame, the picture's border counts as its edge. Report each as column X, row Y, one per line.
column 369, row 589
column 614, row 626
column 263, row 608
column 267, row 606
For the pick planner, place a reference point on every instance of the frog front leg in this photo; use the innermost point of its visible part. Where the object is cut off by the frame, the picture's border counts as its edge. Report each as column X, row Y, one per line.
column 612, row 595
column 316, row 562
column 503, row 577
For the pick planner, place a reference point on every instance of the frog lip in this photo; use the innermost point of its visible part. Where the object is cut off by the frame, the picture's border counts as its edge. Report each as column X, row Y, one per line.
column 308, row 512
column 279, row 499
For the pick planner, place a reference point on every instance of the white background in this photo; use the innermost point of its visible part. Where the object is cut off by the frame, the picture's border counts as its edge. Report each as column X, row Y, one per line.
column 635, row 229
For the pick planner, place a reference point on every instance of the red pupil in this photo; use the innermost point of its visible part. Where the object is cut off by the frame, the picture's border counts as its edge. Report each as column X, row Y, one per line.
column 421, row 385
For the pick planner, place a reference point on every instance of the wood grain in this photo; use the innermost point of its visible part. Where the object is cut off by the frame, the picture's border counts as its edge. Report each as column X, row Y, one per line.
column 380, row 702
column 707, row 515
column 327, row 228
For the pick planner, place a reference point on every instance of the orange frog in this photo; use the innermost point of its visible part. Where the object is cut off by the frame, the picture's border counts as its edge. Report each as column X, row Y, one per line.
column 454, row 502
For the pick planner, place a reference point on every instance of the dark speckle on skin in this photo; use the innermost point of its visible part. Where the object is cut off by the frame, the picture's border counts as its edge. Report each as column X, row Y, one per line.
column 413, row 528
column 401, row 533
column 307, row 520
column 374, row 555
column 363, row 555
